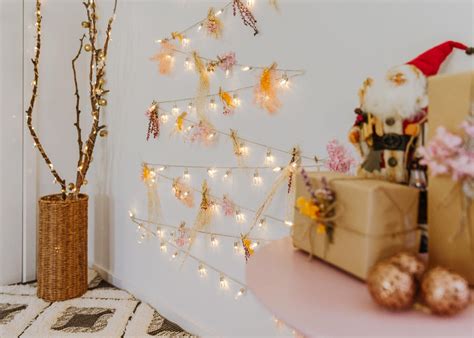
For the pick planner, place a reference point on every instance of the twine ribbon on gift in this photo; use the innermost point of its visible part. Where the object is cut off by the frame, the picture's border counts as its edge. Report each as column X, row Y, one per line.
column 339, row 209
column 465, row 221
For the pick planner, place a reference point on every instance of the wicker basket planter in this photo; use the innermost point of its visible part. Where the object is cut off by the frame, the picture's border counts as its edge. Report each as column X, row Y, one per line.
column 62, row 247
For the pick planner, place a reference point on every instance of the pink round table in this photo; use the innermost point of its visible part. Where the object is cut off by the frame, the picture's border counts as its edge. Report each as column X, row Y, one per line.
column 317, row 299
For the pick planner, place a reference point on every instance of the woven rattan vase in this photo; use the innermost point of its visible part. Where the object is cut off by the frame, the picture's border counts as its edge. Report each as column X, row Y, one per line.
column 62, row 247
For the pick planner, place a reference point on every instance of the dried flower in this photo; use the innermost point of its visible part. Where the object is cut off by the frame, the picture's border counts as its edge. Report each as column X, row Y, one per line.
column 183, row 192
column 213, row 24
column 203, row 133
column 339, row 158
column 246, row 15
column 153, row 121
column 266, row 90
column 227, row 61
column 227, row 102
column 228, row 206
column 165, row 57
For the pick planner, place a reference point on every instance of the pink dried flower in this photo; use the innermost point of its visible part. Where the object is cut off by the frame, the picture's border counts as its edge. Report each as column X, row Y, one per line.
column 228, row 207
column 339, row 158
column 449, row 154
column 227, row 61
column 202, row 133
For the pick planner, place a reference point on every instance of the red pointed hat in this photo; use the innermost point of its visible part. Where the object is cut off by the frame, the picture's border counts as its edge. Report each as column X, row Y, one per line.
column 430, row 61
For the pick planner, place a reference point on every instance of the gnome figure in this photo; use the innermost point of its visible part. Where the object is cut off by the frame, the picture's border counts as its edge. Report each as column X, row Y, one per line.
column 392, row 112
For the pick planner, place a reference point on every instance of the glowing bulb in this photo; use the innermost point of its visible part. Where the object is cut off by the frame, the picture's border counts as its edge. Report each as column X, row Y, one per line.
column 284, row 81
column 246, row 68
column 200, row 27
column 257, row 179
column 214, row 241
column 190, row 106
column 185, row 42
column 162, row 168
column 51, row 166
column 174, row 255
column 202, row 270
column 188, row 64
column 289, row 223
column 227, row 73
column 211, row 172
column 211, row 136
column 269, row 159
column 130, row 214
column 277, row 169
column 255, row 244
column 163, row 247
column 212, row 104
column 227, row 176
column 158, row 41
column 164, row 118
column 186, row 175
column 239, row 216
column 250, row 3
column 236, row 100
column 236, row 247
column 219, row 12
column 244, row 150
column 240, row 293
column 261, row 223
column 175, row 110
column 223, row 282
column 159, row 232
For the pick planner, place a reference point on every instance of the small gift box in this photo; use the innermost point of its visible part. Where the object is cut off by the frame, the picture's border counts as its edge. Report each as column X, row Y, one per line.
column 451, row 195
column 363, row 222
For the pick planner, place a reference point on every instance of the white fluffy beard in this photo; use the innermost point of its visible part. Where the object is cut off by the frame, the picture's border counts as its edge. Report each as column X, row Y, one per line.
column 386, row 98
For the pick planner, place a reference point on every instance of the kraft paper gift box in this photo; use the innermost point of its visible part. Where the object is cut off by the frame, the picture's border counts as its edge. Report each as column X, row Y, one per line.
column 451, row 242
column 373, row 220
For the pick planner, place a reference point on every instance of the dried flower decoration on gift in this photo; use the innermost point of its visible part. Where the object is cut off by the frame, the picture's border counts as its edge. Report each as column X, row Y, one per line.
column 153, row 121
column 227, row 102
column 246, row 15
column 165, row 57
column 183, row 192
column 228, row 206
column 267, row 89
column 203, row 133
column 451, row 154
column 213, row 24
column 319, row 207
column 339, row 158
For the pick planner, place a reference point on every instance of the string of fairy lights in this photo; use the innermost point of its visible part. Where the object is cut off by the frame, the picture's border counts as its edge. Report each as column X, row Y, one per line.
column 203, row 267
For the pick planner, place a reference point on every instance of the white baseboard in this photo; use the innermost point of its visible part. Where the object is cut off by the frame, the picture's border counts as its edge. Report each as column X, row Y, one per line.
column 167, row 310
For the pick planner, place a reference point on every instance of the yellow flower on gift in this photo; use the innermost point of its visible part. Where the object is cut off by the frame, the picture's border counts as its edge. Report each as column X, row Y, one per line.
column 307, row 208
column 321, row 229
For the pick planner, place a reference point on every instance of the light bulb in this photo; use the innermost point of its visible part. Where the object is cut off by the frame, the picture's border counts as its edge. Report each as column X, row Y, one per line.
column 228, row 175
column 262, row 222
column 269, row 159
column 185, row 42
column 240, row 293
column 164, row 118
column 244, row 150
column 289, row 223
column 257, row 179
column 200, row 27
column 130, row 213
column 175, row 110
column 211, row 136
column 163, row 247
column 236, row 247
column 188, row 64
column 227, row 73
column 284, row 81
column 219, row 12
column 159, row 232
column 246, row 68
column 174, row 255
column 223, row 282
column 190, row 106
column 236, row 100
column 202, row 270
column 162, row 168
column 212, row 104
column 250, row 3
column 214, row 241
column 211, row 172
column 186, row 175
column 239, row 216
column 277, row 169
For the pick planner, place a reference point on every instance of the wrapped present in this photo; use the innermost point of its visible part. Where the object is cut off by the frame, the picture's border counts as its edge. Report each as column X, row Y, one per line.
column 362, row 221
column 450, row 198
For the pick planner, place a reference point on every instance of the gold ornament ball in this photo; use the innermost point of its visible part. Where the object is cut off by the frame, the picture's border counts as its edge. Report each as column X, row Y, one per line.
column 102, row 102
column 391, row 287
column 103, row 133
column 446, row 293
column 409, row 263
column 87, row 48
column 85, row 24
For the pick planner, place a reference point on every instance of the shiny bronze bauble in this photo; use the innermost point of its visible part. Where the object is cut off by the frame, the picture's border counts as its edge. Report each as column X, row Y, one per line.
column 410, row 263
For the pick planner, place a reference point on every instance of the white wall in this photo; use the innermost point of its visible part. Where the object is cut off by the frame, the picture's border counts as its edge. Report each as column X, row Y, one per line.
column 339, row 43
